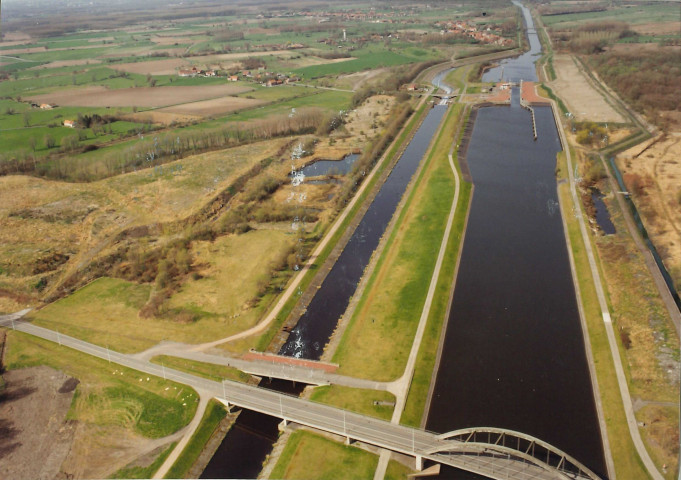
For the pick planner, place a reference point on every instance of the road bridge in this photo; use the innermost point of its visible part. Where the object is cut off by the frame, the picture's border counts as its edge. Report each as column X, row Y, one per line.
column 494, row 453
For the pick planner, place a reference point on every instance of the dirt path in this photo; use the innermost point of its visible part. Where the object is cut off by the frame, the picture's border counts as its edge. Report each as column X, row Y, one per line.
column 187, row 433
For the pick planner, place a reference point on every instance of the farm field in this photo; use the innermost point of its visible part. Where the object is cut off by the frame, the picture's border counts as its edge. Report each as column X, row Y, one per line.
column 214, row 107
column 142, row 96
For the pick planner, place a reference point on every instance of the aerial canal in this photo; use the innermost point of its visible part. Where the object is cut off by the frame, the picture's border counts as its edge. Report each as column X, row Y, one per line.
column 250, row 440
column 513, row 353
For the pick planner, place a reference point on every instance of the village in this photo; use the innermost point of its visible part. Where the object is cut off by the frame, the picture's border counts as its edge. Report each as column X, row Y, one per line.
column 488, row 35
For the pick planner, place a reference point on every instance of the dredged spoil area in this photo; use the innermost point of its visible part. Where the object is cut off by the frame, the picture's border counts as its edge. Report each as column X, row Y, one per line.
column 513, row 353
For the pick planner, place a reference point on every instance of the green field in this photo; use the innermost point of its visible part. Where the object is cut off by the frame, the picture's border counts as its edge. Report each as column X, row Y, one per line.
column 652, row 13
column 308, row 455
column 109, row 394
column 367, row 58
column 356, row 400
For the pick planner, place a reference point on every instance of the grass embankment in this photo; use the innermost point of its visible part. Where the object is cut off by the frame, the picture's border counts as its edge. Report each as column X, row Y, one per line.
column 210, row 371
column 105, row 312
column 262, row 341
column 215, row 412
column 109, row 394
column 356, row 399
column 457, row 78
column 646, row 340
column 308, row 455
column 144, row 472
column 378, row 340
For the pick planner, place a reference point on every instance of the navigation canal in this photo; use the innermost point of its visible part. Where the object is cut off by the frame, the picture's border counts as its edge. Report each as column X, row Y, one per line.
column 250, row 440
column 513, row 354
column 308, row 338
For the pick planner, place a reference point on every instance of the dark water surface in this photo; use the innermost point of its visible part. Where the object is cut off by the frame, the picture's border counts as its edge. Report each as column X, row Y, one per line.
column 602, row 214
column 522, row 67
column 326, row 167
column 513, row 352
column 249, row 441
column 315, row 327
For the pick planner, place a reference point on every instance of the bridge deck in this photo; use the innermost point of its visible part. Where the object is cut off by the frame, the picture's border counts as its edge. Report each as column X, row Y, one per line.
column 369, row 430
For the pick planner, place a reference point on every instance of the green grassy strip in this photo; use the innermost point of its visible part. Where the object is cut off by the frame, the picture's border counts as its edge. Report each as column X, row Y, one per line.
column 267, row 337
column 361, row 352
column 206, row 370
column 145, row 472
column 356, row 400
column 215, row 412
column 308, row 455
column 109, row 394
column 414, row 408
column 554, row 97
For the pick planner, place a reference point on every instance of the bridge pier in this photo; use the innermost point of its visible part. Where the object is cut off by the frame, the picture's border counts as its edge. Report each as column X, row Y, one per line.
column 283, row 424
column 419, row 463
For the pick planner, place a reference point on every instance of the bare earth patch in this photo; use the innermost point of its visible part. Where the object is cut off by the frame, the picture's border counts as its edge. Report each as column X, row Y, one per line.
column 654, row 178
column 661, row 28
column 168, row 66
column 583, row 101
column 35, row 436
column 140, row 97
column 217, row 106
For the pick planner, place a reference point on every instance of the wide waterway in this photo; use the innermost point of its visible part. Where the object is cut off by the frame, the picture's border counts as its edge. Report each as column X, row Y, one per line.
column 513, row 354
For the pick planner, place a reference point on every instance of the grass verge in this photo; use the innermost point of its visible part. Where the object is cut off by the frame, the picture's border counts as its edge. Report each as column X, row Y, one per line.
column 308, row 455
column 109, row 394
column 356, row 400
column 380, row 333
column 144, row 472
column 210, row 371
column 215, row 412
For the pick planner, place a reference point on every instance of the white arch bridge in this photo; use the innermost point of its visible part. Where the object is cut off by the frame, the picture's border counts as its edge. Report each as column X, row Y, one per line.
column 491, row 452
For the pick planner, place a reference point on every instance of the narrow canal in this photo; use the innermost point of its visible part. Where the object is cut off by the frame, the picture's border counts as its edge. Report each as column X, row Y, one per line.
column 250, row 440
column 316, row 325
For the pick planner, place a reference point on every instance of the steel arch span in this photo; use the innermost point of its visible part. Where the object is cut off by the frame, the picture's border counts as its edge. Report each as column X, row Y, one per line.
column 491, row 441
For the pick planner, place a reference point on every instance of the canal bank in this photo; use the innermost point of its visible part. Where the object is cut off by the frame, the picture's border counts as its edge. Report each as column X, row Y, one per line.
column 259, row 431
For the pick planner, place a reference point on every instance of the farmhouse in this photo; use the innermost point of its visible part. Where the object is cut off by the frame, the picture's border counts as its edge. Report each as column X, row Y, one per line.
column 70, row 123
column 46, row 106
column 191, row 72
column 233, row 78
